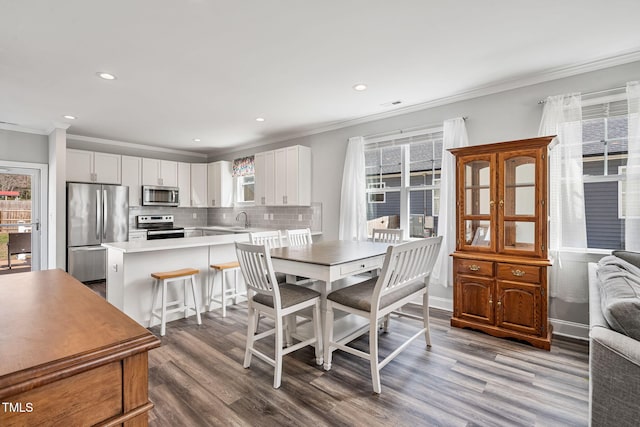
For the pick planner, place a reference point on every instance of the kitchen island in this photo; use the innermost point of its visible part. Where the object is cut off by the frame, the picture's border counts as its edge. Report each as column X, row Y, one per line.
column 130, row 264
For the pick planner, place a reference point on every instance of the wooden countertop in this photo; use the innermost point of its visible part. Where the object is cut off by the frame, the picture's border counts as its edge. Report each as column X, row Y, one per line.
column 54, row 327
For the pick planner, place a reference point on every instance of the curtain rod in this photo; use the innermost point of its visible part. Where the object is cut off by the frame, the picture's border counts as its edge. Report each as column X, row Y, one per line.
column 401, row 131
column 615, row 89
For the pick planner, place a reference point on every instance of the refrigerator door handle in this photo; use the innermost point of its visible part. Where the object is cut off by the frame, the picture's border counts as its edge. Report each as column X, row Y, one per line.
column 105, row 213
column 98, row 217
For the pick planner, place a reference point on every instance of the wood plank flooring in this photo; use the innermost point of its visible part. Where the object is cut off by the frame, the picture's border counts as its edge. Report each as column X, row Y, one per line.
column 466, row 378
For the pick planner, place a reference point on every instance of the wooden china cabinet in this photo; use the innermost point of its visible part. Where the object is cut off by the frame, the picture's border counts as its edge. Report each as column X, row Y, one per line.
column 500, row 263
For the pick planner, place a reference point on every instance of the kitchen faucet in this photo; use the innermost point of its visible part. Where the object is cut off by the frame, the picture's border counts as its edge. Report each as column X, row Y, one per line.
column 246, row 219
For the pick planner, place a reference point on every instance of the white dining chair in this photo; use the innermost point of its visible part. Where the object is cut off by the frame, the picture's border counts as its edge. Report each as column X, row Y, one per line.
column 271, row 239
column 276, row 301
column 387, row 235
column 405, row 276
column 299, row 237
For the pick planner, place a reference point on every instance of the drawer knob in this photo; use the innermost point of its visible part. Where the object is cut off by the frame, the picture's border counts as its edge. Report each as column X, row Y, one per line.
column 517, row 273
column 474, row 267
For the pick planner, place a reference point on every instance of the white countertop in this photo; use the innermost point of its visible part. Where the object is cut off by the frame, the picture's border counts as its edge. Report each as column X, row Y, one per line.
column 168, row 244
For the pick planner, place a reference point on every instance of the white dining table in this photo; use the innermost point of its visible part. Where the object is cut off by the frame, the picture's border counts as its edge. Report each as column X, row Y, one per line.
column 329, row 262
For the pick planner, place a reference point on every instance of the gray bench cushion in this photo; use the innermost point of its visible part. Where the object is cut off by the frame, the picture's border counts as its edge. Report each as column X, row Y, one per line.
column 289, row 295
column 359, row 295
column 620, row 302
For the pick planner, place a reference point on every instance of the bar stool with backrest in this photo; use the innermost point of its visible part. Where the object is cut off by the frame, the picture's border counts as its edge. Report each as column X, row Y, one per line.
column 226, row 293
column 405, row 276
column 276, row 301
column 162, row 279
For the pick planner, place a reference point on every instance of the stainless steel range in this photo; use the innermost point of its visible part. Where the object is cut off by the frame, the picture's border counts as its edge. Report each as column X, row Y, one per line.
column 159, row 227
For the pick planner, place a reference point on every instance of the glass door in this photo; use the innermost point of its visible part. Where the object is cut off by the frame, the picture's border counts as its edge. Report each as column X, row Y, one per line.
column 20, row 241
column 518, row 213
column 476, row 183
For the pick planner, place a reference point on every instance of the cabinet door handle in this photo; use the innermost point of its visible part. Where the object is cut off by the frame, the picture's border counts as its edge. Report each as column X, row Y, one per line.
column 491, row 299
column 501, row 203
column 474, row 267
column 491, row 203
column 518, row 273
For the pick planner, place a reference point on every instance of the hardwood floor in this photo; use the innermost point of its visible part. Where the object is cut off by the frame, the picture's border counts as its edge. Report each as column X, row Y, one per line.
column 466, row 378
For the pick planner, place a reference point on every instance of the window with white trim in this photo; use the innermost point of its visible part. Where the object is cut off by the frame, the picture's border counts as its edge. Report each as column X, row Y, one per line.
column 244, row 179
column 403, row 181
column 604, row 151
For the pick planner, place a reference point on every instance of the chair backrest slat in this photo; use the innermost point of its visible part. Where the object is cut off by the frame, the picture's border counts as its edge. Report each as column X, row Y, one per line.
column 300, row 237
column 257, row 270
column 271, row 239
column 387, row 235
column 405, row 264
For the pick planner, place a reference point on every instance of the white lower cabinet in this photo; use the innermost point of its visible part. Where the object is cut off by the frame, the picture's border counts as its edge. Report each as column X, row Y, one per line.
column 137, row 235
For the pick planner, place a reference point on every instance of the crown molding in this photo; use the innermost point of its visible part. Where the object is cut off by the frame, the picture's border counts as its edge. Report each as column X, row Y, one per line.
column 134, row 145
column 17, row 128
column 624, row 57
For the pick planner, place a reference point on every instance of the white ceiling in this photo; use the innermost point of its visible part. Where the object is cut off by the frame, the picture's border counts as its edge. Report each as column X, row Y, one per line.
column 207, row 68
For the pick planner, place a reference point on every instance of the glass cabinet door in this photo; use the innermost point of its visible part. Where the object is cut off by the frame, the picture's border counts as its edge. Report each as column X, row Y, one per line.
column 476, row 181
column 519, row 203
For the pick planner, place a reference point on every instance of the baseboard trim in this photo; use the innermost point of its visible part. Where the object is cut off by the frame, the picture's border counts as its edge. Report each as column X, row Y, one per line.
column 574, row 330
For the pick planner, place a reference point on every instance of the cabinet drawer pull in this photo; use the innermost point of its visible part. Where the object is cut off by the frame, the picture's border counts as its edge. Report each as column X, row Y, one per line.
column 518, row 273
column 474, row 267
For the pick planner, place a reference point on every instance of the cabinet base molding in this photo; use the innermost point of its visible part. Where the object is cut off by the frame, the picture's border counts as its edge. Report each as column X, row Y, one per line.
column 539, row 342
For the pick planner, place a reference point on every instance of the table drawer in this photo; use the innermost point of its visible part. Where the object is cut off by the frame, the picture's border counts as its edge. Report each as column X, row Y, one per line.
column 519, row 272
column 361, row 266
column 471, row 266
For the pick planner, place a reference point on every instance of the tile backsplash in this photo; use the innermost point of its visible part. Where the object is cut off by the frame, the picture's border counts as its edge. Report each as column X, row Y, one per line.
column 275, row 217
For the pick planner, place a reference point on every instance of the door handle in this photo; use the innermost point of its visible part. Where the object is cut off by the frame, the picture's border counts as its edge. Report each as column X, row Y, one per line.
column 98, row 206
column 104, row 213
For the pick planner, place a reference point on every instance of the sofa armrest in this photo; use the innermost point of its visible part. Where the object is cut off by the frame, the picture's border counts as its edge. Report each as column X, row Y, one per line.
column 614, row 366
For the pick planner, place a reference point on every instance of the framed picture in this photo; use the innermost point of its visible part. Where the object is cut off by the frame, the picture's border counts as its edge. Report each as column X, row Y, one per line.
column 482, row 237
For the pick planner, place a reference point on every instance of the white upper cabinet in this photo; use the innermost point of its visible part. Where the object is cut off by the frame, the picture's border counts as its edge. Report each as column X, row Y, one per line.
column 283, row 177
column 220, row 184
column 184, row 184
column 199, row 185
column 89, row 166
column 159, row 172
column 132, row 177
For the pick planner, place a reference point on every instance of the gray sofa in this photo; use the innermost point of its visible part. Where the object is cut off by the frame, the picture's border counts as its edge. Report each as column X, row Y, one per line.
column 614, row 351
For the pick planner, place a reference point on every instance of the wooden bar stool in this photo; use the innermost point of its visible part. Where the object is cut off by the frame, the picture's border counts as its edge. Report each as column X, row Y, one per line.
column 225, row 293
column 161, row 280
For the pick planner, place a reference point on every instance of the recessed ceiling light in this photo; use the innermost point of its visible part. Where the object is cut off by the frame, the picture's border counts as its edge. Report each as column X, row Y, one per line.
column 259, row 119
column 196, row 139
column 106, row 76
column 70, row 117
column 360, row 87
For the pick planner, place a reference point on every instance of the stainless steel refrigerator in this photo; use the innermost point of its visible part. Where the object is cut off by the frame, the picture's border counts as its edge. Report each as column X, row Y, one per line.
column 96, row 213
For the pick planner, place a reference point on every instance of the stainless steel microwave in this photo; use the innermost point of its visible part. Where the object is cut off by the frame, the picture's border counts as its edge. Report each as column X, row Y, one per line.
column 153, row 195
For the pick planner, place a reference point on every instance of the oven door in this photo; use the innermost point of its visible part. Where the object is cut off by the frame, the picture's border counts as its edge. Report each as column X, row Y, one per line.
column 164, row 234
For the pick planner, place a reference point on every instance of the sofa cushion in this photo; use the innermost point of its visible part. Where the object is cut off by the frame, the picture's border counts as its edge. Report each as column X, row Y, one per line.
column 629, row 256
column 620, row 298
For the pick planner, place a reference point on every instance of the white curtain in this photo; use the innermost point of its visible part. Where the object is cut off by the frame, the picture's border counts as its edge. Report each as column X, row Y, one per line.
column 353, row 199
column 562, row 116
column 632, row 184
column 455, row 136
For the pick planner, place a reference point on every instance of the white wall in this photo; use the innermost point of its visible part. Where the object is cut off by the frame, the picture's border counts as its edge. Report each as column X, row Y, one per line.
column 23, row 147
column 509, row 115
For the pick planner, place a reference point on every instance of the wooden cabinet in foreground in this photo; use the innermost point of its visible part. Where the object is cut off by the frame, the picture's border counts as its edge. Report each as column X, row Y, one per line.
column 500, row 263
column 67, row 357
